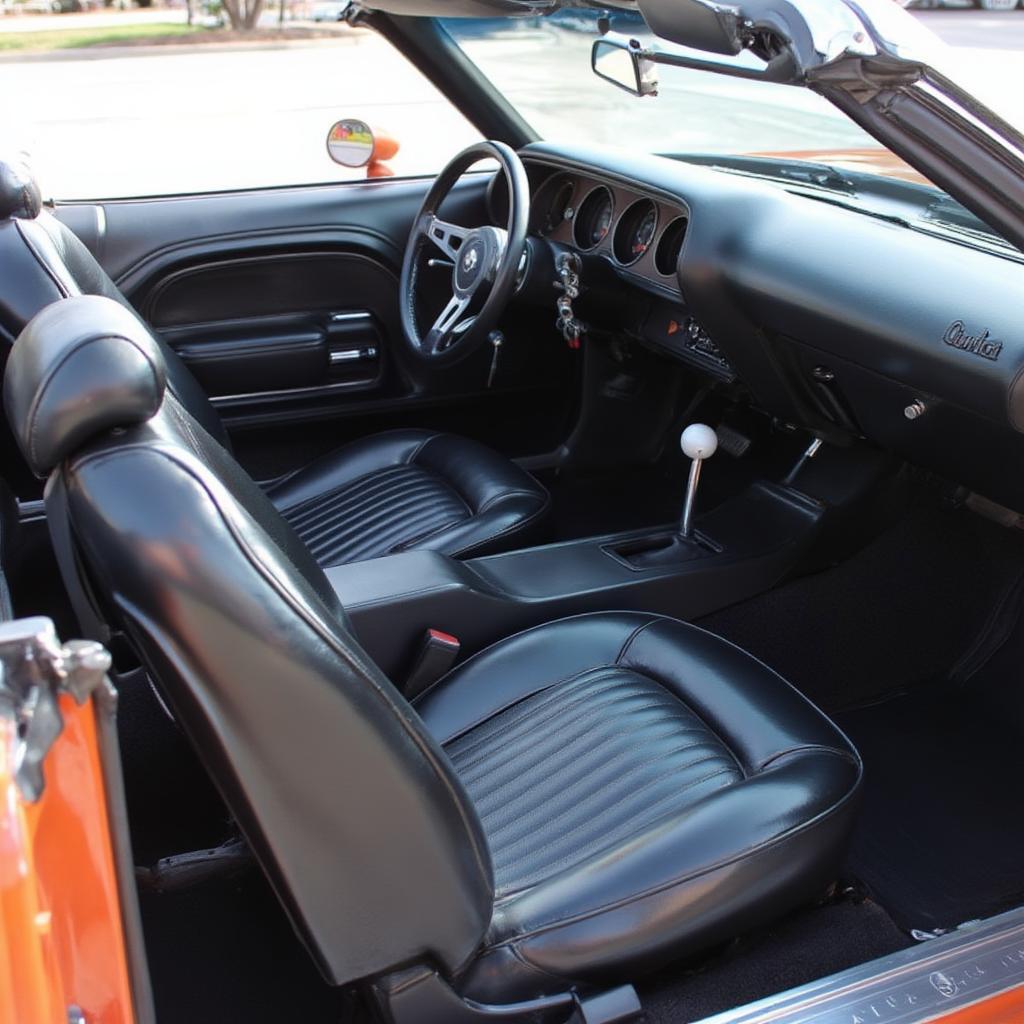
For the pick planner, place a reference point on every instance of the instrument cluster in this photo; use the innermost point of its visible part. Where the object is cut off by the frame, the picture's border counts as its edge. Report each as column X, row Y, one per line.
column 641, row 235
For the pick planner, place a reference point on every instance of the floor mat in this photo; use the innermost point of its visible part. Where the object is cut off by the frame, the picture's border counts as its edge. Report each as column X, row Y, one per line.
column 808, row 945
column 941, row 835
column 903, row 610
column 914, row 646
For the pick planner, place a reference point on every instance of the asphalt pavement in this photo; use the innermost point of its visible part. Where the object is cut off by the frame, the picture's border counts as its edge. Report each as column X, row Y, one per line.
column 181, row 118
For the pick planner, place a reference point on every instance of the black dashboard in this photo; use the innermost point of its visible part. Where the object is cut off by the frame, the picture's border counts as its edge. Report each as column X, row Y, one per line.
column 846, row 324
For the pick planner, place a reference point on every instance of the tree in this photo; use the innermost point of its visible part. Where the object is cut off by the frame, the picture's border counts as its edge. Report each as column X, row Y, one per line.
column 243, row 14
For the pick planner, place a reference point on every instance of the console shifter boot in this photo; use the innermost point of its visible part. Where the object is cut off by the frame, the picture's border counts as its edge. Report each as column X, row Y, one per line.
column 661, row 550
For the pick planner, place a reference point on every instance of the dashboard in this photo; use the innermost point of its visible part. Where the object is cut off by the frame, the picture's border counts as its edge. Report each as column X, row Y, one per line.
column 852, row 326
column 637, row 233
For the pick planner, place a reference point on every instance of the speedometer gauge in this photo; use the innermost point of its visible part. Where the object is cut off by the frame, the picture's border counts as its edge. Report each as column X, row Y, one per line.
column 644, row 234
column 594, row 218
column 635, row 232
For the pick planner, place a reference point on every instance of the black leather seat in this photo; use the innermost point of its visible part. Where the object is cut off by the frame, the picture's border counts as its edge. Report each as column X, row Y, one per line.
column 571, row 807
column 646, row 789
column 387, row 493
column 408, row 489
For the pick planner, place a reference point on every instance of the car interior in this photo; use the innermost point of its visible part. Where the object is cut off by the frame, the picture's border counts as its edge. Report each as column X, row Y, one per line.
column 550, row 593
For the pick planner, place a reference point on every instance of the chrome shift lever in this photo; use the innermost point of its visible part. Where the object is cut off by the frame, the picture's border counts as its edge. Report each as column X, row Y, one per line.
column 699, row 442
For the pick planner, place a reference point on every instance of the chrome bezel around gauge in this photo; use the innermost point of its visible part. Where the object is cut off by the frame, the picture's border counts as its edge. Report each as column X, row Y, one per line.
column 629, row 221
column 580, row 217
column 660, row 242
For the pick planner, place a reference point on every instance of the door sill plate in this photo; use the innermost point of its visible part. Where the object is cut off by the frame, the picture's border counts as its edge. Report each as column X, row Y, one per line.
column 939, row 977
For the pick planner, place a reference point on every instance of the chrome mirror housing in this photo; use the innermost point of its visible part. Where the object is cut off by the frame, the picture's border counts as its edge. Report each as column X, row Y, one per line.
column 622, row 62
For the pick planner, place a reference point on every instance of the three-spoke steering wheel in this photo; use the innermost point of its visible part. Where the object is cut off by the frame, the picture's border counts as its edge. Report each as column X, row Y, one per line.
column 485, row 260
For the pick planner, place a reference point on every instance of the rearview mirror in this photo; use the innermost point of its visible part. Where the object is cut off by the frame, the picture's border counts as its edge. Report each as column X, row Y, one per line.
column 621, row 62
column 772, row 40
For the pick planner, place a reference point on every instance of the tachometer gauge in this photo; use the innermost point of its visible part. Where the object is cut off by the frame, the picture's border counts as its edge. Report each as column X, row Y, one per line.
column 635, row 232
column 560, row 206
column 594, row 218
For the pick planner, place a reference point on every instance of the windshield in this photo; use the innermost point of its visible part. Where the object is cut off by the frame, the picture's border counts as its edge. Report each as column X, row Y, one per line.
column 542, row 66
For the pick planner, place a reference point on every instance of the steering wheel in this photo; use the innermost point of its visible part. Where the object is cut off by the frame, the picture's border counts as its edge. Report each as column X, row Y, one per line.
column 485, row 261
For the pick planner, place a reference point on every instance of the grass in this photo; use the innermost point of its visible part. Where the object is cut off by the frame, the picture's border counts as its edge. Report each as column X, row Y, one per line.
column 76, row 38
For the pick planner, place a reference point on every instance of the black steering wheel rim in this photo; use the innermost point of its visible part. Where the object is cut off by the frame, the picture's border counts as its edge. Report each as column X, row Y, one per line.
column 483, row 259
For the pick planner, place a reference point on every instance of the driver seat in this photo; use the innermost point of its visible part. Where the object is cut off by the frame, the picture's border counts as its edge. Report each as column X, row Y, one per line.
column 386, row 493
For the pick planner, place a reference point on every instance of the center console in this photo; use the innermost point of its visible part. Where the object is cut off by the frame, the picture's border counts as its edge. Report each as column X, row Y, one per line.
column 738, row 549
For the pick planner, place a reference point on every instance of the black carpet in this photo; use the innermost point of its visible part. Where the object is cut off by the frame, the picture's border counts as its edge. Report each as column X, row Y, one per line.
column 941, row 836
column 902, row 611
column 915, row 645
column 225, row 952
column 810, row 944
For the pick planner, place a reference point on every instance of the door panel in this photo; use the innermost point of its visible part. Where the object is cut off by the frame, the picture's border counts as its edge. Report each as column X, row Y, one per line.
column 280, row 356
column 284, row 303
column 273, row 326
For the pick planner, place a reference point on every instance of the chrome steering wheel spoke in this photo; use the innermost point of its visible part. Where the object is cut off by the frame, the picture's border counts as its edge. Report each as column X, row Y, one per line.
column 439, row 336
column 446, row 236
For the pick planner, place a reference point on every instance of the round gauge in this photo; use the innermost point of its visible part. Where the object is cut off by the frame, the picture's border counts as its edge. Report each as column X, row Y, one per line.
column 559, row 209
column 635, row 231
column 666, row 255
column 594, row 218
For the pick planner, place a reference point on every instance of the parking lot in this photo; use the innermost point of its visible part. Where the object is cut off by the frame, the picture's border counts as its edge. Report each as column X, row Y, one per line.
column 122, row 121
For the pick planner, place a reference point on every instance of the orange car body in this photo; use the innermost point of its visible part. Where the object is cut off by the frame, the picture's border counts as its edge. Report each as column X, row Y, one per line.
column 62, row 943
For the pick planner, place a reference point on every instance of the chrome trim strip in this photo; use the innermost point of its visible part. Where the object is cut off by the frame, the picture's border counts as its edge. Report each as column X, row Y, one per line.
column 979, row 960
column 30, row 511
column 326, row 389
column 351, row 355
column 361, row 314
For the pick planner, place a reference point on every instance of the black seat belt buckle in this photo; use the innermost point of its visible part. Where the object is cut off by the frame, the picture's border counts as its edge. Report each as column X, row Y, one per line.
column 437, row 653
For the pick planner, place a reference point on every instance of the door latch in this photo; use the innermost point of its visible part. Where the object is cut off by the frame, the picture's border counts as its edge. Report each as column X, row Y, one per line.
column 35, row 669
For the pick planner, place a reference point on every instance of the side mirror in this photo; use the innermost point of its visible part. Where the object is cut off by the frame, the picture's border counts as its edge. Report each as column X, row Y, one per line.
column 350, row 143
column 622, row 62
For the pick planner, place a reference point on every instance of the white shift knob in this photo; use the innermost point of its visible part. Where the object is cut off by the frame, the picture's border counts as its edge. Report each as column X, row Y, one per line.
column 698, row 441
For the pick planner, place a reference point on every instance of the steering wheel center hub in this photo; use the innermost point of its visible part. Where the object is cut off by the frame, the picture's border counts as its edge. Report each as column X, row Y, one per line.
column 478, row 258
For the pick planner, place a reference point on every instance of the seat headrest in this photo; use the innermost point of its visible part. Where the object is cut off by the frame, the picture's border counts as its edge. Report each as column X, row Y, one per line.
column 80, row 367
column 19, row 192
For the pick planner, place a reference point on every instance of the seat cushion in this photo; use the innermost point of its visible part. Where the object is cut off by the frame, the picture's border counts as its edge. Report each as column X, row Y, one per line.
column 646, row 789
column 409, row 489
column 582, row 766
